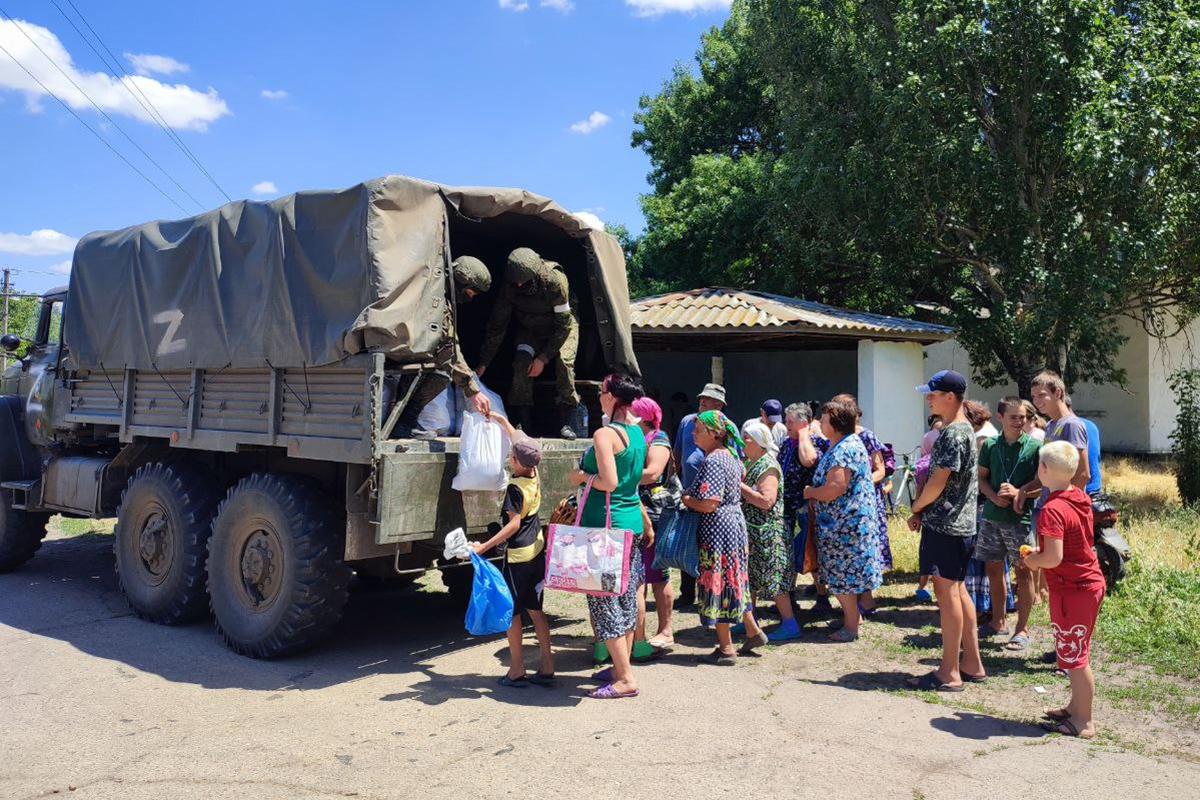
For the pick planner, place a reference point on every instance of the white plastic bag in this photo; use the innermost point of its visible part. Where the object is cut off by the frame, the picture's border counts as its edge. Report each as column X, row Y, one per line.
column 456, row 545
column 464, row 405
column 439, row 413
column 482, row 451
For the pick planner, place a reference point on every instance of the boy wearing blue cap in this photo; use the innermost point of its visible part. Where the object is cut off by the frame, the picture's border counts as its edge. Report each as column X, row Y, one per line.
column 945, row 516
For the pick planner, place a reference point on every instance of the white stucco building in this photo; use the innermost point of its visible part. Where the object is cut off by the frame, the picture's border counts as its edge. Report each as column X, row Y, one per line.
column 1136, row 419
column 761, row 346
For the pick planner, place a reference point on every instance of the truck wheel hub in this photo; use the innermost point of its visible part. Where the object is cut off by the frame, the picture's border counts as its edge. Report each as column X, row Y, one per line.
column 260, row 567
column 152, row 544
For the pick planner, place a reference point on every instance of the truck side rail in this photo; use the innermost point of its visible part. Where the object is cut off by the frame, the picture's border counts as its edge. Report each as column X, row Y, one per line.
column 326, row 413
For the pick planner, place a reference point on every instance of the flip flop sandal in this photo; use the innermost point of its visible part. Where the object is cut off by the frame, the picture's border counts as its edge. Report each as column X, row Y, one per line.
column 548, row 681
column 1018, row 643
column 603, row 676
column 969, row 678
column 843, row 636
column 662, row 643
column 513, row 683
column 932, row 683
column 867, row 612
column 1063, row 727
column 607, row 692
column 1056, row 714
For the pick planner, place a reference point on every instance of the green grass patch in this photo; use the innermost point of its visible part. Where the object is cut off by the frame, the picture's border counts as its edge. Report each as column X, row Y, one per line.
column 1153, row 619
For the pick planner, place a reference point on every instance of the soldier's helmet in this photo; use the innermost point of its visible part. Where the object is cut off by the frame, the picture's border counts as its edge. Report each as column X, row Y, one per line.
column 524, row 264
column 471, row 273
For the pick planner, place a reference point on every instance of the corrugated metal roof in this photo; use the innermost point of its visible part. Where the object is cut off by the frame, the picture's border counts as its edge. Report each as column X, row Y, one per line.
column 718, row 308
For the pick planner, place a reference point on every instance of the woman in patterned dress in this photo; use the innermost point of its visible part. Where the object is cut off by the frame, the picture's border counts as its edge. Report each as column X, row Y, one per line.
column 723, row 587
column 772, row 560
column 847, row 530
column 866, row 601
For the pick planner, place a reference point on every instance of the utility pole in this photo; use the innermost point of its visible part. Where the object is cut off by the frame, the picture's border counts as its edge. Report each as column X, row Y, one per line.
column 7, row 272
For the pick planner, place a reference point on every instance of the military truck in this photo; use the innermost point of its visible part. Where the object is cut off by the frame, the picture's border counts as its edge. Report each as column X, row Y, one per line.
column 227, row 387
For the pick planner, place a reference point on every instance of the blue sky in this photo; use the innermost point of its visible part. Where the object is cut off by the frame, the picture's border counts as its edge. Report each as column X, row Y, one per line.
column 273, row 96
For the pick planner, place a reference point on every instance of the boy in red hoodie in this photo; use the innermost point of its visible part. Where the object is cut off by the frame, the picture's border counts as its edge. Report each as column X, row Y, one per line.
column 1075, row 580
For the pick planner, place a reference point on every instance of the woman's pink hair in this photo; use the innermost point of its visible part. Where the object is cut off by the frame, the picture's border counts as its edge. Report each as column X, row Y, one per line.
column 648, row 411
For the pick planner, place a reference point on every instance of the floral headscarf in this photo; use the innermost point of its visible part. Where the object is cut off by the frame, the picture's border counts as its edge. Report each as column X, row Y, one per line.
column 720, row 426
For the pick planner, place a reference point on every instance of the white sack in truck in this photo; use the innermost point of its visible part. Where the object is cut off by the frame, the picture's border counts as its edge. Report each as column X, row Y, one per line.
column 482, row 451
column 463, row 404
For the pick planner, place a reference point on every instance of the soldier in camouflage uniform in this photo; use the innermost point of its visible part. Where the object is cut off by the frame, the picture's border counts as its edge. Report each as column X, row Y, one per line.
column 471, row 278
column 536, row 300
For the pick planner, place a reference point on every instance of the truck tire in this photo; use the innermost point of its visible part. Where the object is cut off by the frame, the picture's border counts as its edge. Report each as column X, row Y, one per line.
column 161, row 541
column 21, row 533
column 276, row 579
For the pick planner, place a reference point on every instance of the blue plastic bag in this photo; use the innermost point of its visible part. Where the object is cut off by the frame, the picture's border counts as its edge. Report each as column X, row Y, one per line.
column 491, row 606
column 676, row 546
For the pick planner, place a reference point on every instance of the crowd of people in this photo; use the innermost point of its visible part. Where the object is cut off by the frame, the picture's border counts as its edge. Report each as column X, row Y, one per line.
column 793, row 492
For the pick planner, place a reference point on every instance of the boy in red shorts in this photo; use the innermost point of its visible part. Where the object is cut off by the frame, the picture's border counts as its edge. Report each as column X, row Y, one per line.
column 1075, row 581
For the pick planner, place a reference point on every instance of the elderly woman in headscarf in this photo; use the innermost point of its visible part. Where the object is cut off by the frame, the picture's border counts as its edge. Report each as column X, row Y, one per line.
column 723, row 587
column 772, row 559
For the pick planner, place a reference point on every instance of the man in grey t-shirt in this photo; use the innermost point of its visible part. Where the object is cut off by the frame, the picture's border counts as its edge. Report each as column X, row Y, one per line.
column 1050, row 398
column 945, row 515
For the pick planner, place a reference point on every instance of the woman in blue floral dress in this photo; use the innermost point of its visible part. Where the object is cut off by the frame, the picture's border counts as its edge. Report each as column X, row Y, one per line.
column 847, row 529
column 723, row 586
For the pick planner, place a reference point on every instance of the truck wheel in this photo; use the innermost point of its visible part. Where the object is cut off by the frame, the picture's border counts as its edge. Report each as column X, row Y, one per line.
column 276, row 579
column 161, row 540
column 21, row 533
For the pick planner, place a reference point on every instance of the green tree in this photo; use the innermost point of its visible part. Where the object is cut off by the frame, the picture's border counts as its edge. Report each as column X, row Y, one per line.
column 22, row 316
column 1025, row 170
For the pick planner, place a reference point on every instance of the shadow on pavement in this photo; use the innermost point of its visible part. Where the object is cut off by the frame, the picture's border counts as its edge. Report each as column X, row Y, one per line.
column 69, row 592
column 437, row 689
column 980, row 727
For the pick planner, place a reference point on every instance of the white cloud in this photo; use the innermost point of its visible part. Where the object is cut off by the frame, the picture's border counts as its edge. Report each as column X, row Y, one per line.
column 181, row 106
column 596, row 119
column 62, row 267
column 590, row 219
column 274, row 94
column 146, row 64
column 565, row 6
column 265, row 187
column 42, row 242
column 514, row 5
column 653, row 8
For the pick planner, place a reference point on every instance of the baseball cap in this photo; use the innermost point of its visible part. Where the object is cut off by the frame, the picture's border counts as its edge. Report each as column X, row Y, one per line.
column 713, row 391
column 774, row 410
column 527, row 451
column 945, row 381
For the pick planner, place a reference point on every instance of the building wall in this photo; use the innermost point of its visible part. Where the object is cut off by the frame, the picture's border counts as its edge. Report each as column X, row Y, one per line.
column 888, row 374
column 1136, row 419
column 751, row 378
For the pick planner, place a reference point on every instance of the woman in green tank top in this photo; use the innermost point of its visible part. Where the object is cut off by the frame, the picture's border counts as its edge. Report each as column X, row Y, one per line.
column 616, row 460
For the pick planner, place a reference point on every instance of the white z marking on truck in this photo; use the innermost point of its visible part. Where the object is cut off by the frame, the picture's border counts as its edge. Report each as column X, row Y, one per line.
column 169, row 344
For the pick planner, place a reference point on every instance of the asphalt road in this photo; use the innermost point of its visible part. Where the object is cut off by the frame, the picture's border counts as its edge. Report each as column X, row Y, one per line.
column 95, row 703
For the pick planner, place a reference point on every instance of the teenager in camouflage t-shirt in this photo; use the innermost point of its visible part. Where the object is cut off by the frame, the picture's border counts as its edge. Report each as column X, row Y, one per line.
column 953, row 513
column 945, row 515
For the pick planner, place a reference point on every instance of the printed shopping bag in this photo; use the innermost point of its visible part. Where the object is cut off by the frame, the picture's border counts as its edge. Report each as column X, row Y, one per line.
column 491, row 606
column 588, row 560
column 677, row 547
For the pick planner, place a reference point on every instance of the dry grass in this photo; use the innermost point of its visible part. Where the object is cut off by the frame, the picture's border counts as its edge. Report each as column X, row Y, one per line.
column 1140, row 485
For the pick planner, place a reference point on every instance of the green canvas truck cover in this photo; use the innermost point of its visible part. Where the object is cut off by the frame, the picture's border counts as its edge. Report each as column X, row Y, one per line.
column 305, row 279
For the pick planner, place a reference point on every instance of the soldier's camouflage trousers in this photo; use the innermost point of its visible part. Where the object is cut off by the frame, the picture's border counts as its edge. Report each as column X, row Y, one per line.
column 564, row 369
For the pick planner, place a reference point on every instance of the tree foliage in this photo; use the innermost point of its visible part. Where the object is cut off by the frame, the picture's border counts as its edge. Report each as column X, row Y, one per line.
column 1025, row 170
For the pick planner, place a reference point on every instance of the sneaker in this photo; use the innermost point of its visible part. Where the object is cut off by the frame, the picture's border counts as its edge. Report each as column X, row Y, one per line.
column 923, row 595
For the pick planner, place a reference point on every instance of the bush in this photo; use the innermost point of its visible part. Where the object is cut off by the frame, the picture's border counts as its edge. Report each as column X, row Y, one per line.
column 1185, row 383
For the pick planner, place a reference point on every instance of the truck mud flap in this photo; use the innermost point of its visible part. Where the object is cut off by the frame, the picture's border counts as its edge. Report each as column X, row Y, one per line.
column 18, row 459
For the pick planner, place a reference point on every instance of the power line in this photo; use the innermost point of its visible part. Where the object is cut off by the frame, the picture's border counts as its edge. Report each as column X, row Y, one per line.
column 79, row 89
column 152, row 110
column 103, row 141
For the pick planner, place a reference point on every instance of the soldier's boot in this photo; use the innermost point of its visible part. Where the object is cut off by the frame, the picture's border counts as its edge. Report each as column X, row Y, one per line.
column 567, row 418
column 520, row 416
